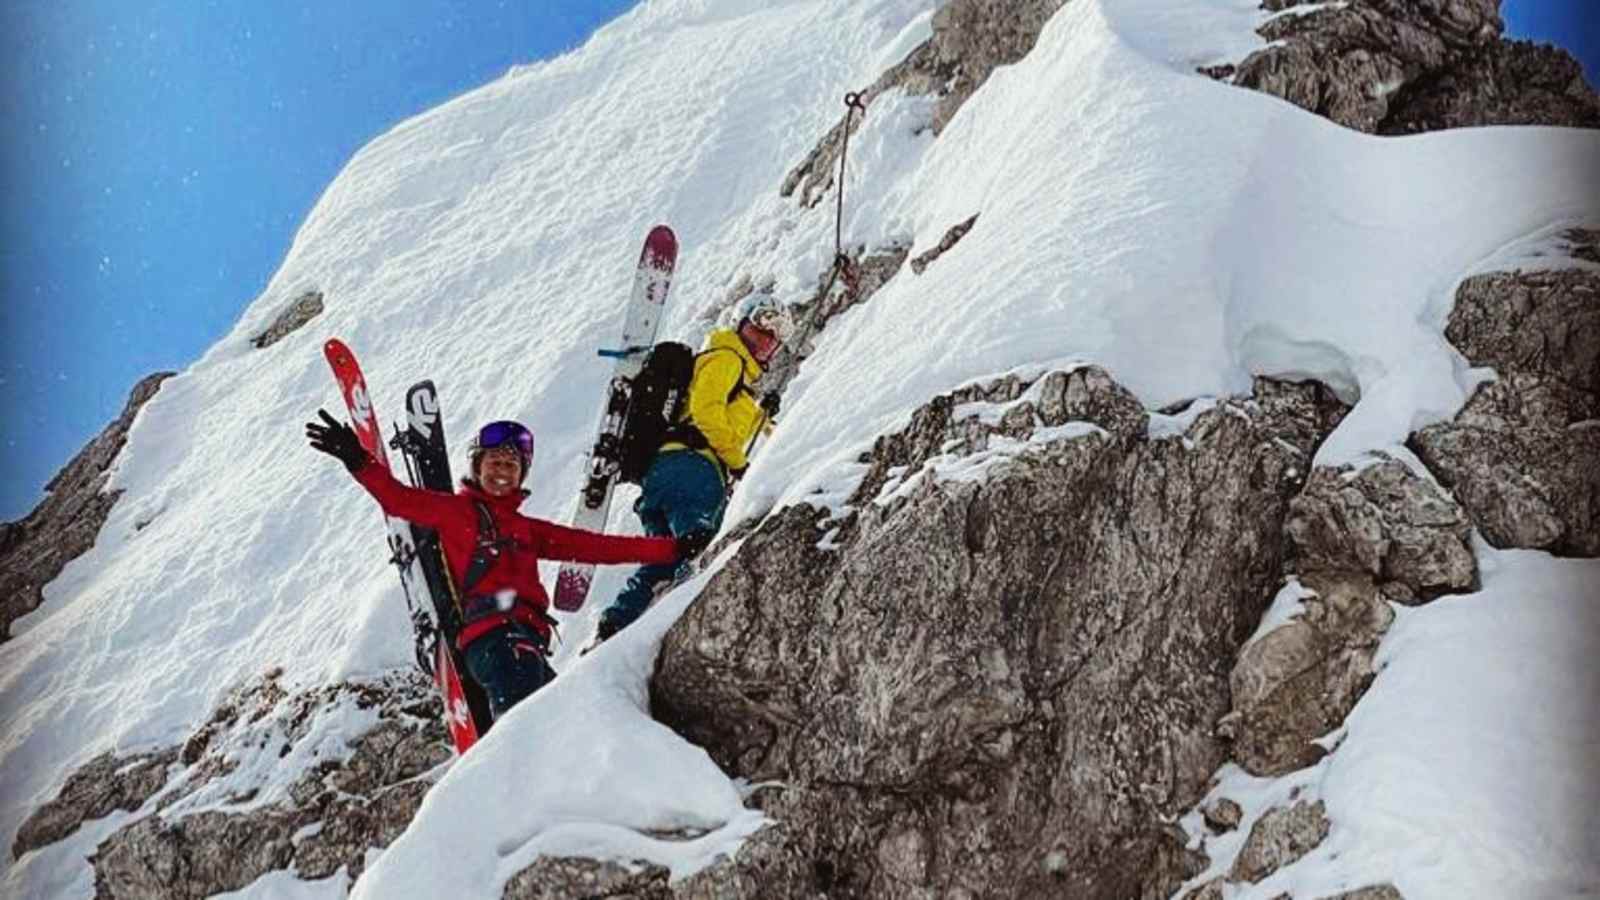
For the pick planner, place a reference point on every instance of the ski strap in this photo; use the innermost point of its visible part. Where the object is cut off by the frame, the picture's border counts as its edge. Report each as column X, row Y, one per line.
column 487, row 550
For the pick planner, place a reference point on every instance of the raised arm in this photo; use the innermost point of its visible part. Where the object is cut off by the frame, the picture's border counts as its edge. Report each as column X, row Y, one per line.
column 428, row 508
column 574, row 545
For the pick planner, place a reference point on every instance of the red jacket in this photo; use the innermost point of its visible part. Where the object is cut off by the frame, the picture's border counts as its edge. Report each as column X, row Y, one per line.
column 455, row 517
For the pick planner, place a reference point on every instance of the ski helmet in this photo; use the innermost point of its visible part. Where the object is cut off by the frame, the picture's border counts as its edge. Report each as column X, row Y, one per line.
column 766, row 313
column 503, row 433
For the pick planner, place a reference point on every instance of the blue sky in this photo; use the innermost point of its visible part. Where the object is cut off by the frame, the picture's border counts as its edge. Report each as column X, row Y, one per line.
column 160, row 155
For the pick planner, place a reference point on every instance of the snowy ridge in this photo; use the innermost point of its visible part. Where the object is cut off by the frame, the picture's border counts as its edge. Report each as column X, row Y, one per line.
column 1182, row 234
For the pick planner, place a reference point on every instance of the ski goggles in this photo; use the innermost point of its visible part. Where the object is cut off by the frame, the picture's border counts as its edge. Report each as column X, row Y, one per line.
column 762, row 343
column 774, row 319
column 505, row 434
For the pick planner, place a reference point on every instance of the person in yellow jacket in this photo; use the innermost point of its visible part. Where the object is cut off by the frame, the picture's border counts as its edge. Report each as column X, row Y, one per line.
column 685, row 489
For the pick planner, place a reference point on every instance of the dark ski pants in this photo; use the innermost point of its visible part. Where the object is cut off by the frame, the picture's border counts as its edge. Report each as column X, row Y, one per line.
column 509, row 664
column 682, row 492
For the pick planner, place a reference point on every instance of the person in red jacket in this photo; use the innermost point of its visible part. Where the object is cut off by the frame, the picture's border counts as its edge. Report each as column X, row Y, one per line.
column 505, row 633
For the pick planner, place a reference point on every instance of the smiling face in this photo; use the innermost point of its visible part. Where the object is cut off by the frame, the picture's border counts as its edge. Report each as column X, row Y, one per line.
column 499, row 471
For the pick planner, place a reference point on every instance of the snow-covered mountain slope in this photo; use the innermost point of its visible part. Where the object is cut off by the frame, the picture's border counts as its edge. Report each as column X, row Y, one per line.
column 1182, row 234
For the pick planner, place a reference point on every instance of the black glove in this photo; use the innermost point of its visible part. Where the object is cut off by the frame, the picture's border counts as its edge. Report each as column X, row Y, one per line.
column 694, row 543
column 769, row 404
column 339, row 441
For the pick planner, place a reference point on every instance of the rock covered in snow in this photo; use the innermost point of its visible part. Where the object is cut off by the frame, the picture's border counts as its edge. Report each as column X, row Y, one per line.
column 33, row 551
column 1278, row 838
column 106, row 784
column 1298, row 681
column 558, row 878
column 1222, row 815
column 305, row 308
column 1375, row 892
column 1002, row 673
column 199, row 830
column 1390, row 67
column 1521, row 455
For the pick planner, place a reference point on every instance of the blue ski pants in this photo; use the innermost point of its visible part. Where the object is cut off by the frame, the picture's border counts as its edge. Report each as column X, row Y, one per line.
column 682, row 492
column 508, row 664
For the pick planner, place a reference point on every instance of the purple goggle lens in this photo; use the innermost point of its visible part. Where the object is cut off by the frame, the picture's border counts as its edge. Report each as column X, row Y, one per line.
column 506, row 434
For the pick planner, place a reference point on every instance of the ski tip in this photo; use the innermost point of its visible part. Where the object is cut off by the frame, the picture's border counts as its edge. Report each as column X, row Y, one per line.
column 662, row 241
column 333, row 348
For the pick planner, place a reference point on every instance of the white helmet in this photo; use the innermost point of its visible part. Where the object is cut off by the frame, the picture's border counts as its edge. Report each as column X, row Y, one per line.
column 766, row 313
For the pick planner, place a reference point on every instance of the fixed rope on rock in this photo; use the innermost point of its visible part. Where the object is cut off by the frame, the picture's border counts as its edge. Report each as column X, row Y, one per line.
column 842, row 266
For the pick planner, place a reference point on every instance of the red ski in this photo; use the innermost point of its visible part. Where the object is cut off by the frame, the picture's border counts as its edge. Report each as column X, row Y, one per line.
column 457, row 713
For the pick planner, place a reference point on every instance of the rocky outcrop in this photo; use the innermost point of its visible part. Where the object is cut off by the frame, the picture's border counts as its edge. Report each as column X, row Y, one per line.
column 1297, row 682
column 1513, row 83
column 34, row 550
column 950, row 239
column 1375, row 892
column 108, row 783
column 1521, row 455
column 561, row 878
column 202, row 829
column 1403, row 66
column 307, row 307
column 971, row 38
column 1358, row 537
column 1384, row 521
column 1280, row 837
column 1222, row 815
column 999, row 675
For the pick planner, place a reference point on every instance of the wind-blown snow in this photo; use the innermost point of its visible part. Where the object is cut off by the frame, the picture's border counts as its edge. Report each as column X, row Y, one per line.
column 1181, row 233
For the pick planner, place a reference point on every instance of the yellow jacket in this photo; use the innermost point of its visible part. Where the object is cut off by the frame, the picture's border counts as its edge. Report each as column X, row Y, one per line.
column 725, row 367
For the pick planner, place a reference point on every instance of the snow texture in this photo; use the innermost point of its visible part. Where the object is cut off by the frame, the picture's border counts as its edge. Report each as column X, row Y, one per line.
column 1183, row 234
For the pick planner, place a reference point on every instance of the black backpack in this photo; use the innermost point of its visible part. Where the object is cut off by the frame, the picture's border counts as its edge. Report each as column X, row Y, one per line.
column 656, row 406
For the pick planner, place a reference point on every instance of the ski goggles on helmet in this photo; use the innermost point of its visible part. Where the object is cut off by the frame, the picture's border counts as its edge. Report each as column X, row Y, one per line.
column 774, row 320
column 762, row 343
column 505, row 434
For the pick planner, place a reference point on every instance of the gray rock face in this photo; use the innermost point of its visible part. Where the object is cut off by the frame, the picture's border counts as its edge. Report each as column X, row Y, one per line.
column 1001, row 681
column 1521, row 455
column 65, row 524
column 1512, row 83
column 1299, row 681
column 971, row 38
column 1384, row 521
column 1280, row 837
column 196, row 843
column 1533, row 323
column 1403, row 66
column 105, row 785
column 307, row 307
